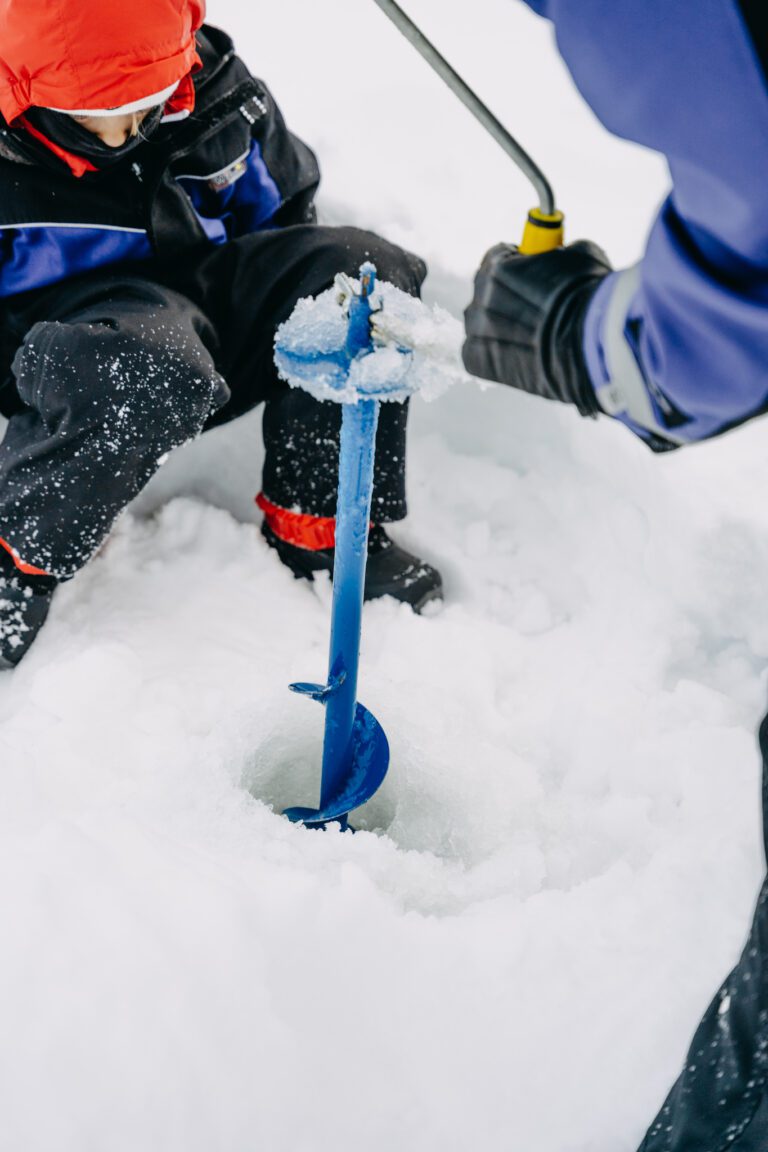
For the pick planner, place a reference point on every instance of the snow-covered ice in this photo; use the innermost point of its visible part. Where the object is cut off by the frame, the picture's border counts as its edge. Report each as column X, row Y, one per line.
column 561, row 866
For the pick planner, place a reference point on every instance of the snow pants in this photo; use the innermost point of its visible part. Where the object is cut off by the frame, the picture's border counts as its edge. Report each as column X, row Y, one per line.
column 720, row 1101
column 106, row 374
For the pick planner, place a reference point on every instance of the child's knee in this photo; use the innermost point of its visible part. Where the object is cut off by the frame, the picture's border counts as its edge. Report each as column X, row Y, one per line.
column 355, row 246
column 145, row 380
column 393, row 263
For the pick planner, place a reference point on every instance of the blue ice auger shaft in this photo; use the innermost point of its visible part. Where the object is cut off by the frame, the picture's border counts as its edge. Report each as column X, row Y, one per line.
column 355, row 749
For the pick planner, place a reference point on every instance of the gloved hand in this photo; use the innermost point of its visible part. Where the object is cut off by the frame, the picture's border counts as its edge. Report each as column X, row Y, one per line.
column 525, row 324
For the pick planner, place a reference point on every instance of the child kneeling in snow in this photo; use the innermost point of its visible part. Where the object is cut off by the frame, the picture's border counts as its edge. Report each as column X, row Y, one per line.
column 156, row 225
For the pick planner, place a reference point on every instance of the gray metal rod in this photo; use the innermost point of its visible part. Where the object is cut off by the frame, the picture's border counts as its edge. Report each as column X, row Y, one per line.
column 473, row 102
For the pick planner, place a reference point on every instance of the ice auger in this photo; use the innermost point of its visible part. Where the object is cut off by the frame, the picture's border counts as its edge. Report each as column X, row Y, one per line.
column 545, row 227
column 355, row 748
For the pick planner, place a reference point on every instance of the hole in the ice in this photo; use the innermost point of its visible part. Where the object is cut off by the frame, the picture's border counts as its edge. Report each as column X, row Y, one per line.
column 514, row 822
column 423, row 806
column 285, row 771
column 498, row 825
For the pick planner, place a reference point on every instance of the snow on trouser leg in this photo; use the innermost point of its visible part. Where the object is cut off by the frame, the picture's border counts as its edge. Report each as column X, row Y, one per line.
column 301, row 465
column 721, row 1099
column 108, row 394
column 24, row 604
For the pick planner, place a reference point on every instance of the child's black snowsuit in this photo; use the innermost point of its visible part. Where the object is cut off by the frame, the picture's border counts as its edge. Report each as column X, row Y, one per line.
column 105, row 371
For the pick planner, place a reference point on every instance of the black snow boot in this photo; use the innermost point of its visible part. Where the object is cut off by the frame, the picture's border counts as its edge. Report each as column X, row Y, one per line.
column 24, row 604
column 391, row 571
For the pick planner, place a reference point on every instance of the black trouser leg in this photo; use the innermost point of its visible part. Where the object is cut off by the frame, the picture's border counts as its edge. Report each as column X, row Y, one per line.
column 251, row 286
column 119, row 378
column 301, row 464
column 720, row 1101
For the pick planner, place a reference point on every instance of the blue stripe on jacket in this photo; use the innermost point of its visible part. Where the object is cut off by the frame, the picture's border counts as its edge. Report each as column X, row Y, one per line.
column 684, row 79
column 36, row 255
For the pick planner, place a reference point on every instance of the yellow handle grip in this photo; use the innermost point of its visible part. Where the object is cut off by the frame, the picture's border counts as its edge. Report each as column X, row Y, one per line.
column 542, row 233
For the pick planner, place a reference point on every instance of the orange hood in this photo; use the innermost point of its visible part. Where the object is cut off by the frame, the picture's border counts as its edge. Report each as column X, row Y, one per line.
column 84, row 54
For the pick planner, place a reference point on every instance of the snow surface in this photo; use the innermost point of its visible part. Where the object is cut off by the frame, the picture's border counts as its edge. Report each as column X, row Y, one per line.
column 567, row 848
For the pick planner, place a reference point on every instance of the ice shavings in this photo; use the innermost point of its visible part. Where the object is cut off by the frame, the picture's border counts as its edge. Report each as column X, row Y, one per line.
column 417, row 349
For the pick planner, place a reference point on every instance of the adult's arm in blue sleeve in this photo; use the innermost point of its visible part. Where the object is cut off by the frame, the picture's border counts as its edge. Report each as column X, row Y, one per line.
column 677, row 347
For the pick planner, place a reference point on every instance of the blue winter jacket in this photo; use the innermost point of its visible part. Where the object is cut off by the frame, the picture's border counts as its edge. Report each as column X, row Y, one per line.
column 677, row 348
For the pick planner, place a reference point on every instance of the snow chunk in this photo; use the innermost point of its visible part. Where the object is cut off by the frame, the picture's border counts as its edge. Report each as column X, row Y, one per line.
column 418, row 349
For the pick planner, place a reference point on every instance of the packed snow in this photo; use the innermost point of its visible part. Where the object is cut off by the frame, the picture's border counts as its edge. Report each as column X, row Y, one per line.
column 416, row 349
column 514, row 951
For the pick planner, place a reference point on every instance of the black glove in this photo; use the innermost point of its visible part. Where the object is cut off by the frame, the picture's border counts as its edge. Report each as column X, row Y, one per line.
column 526, row 322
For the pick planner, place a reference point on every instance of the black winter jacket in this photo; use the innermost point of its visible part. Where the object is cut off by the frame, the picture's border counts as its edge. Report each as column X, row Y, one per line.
column 232, row 167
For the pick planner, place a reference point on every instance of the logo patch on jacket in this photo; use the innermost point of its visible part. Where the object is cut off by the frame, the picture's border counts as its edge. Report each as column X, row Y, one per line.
column 228, row 177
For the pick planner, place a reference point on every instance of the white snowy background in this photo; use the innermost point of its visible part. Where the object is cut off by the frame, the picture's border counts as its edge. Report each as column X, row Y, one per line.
column 562, row 864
